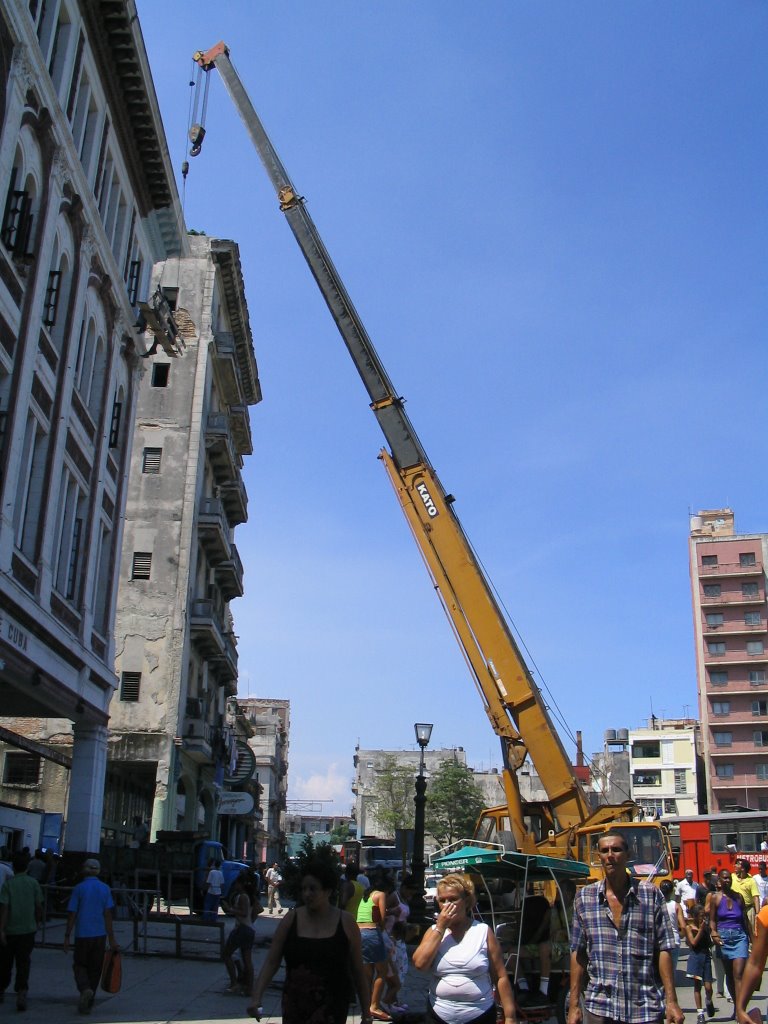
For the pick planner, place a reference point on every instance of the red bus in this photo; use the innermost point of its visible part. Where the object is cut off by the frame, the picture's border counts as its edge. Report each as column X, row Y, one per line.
column 716, row 840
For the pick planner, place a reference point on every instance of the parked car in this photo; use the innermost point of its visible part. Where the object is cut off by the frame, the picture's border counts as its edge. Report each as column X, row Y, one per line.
column 430, row 891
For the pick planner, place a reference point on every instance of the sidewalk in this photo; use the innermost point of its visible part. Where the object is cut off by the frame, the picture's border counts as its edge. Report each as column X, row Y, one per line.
column 158, row 989
column 161, row 989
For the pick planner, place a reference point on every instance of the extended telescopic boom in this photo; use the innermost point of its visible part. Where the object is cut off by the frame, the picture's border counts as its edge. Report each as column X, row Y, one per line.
column 512, row 700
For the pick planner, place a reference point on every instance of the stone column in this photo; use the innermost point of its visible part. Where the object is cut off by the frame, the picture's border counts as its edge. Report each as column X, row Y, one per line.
column 86, row 791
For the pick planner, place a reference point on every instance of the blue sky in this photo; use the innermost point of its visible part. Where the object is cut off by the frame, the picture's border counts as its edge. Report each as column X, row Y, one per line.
column 552, row 218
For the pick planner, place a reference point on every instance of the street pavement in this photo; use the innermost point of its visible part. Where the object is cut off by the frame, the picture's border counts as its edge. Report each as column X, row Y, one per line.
column 159, row 988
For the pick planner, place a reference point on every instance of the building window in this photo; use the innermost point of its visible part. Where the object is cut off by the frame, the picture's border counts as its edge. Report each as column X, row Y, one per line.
column 670, row 806
column 151, row 458
column 761, row 772
column 752, row 618
column 17, row 220
column 712, row 590
column 709, row 559
column 646, row 749
column 718, row 678
column 750, row 590
column 759, row 708
column 134, row 279
column 724, row 771
column 22, row 769
column 747, row 558
column 757, row 677
column 716, row 647
column 160, row 375
column 714, row 619
column 142, row 565
column 681, row 781
column 755, row 647
column 760, row 736
column 646, row 778
column 51, row 300
column 130, row 684
column 721, row 707
column 114, row 427
column 722, row 739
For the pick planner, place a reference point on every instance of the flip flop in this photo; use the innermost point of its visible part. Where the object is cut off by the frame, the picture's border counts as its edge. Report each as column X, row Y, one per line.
column 377, row 1015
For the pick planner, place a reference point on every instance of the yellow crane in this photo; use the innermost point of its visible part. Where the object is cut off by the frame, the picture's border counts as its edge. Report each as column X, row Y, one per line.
column 512, row 700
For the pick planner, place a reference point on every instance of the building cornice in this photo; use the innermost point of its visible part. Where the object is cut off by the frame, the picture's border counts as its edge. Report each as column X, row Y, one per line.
column 118, row 50
column 226, row 256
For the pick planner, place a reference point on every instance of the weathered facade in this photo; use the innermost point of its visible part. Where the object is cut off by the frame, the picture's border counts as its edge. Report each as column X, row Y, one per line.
column 172, row 743
column 89, row 206
column 270, row 721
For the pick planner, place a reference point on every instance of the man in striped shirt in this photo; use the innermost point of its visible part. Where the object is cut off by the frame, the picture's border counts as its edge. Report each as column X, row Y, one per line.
column 620, row 947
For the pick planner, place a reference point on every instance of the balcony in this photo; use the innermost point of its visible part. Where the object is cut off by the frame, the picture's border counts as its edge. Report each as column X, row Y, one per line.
column 205, row 629
column 732, row 569
column 218, row 442
column 225, row 665
column 734, row 657
column 240, row 425
column 197, row 740
column 225, row 359
column 229, row 575
column 734, row 629
column 235, row 500
column 733, row 599
column 213, row 529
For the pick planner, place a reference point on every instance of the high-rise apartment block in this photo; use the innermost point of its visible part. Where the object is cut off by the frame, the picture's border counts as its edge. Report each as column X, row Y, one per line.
column 729, row 619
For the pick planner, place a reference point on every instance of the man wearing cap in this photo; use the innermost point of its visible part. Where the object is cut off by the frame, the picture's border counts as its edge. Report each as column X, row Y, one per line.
column 89, row 913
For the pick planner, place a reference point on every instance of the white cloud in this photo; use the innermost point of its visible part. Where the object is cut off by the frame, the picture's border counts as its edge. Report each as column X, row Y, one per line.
column 333, row 785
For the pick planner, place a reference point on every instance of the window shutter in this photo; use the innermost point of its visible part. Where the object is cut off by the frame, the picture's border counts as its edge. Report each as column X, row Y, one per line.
column 142, row 565
column 151, row 460
column 130, row 684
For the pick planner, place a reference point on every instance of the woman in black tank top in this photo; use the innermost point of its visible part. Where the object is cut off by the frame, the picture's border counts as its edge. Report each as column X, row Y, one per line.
column 321, row 948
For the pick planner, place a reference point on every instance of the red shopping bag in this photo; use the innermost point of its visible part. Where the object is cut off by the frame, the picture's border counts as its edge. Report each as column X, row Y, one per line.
column 112, row 971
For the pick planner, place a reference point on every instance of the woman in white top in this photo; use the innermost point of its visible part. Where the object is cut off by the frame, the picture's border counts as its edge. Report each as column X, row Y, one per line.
column 465, row 961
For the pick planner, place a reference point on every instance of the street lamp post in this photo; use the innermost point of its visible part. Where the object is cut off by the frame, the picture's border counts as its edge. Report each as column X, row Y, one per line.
column 418, row 906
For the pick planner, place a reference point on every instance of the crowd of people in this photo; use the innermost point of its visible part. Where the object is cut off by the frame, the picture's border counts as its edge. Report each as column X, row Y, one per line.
column 89, row 919
column 346, row 940
column 723, row 921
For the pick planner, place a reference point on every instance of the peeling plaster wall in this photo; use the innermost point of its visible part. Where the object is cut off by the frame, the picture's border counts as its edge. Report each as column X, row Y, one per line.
column 153, row 631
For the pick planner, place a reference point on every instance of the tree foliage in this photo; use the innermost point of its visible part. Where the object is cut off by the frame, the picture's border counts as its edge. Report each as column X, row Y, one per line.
column 340, row 834
column 454, row 801
column 393, row 793
column 294, row 868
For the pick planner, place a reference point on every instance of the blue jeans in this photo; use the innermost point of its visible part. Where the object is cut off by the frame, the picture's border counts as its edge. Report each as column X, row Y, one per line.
column 211, row 906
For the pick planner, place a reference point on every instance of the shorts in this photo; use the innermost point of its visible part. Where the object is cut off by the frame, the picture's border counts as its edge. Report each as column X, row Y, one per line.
column 734, row 944
column 699, row 965
column 241, row 937
column 373, row 948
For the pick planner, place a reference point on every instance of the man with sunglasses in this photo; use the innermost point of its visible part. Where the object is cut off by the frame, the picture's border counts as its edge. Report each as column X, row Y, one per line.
column 620, row 947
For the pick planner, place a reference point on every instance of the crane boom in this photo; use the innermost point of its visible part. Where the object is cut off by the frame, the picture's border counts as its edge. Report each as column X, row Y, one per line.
column 512, row 699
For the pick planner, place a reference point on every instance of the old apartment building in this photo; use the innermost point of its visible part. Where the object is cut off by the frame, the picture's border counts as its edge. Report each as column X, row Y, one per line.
column 172, row 741
column 269, row 720
column 89, row 205
column 126, row 374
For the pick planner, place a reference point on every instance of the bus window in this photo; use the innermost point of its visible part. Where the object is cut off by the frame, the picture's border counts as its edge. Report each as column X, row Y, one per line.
column 646, row 853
